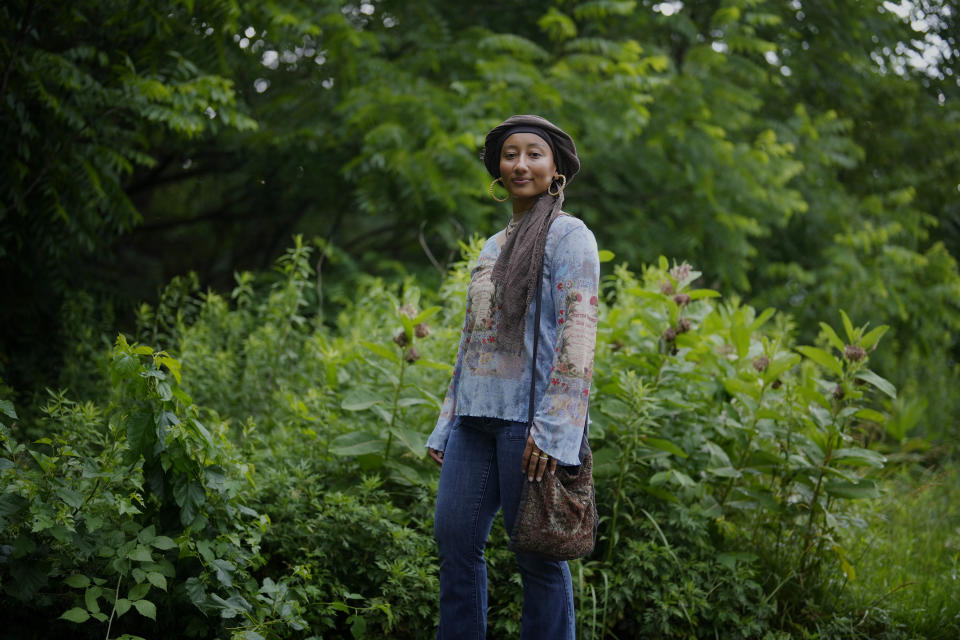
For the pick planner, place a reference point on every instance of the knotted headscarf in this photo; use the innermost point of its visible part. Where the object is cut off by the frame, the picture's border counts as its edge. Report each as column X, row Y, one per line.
column 521, row 260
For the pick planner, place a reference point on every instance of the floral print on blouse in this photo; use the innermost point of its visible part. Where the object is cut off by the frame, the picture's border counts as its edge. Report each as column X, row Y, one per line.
column 489, row 383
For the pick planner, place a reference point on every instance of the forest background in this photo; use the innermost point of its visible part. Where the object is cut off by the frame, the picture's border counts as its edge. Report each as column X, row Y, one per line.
column 274, row 206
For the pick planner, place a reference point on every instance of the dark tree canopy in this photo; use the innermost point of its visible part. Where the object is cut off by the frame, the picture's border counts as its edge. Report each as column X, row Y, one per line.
column 796, row 151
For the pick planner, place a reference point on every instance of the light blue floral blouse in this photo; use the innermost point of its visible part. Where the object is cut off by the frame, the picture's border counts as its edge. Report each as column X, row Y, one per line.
column 489, row 383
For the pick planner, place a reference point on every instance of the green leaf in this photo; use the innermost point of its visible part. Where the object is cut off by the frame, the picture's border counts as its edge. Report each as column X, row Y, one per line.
column 76, row 614
column 698, row 294
column 140, row 554
column 146, row 608
column 724, row 472
column 141, row 431
column 870, row 340
column 882, row 384
column 430, row 364
column 832, row 336
column 414, row 441
column 382, row 351
column 852, row 491
column 356, row 443
column 224, row 570
column 871, row 415
column 605, row 255
column 425, row 315
column 163, row 543
column 409, row 402
column 139, row 591
column 812, row 395
column 90, row 597
column 740, row 335
column 847, row 325
column 71, row 497
column 147, row 534
column 761, row 320
column 6, row 407
column 665, row 445
column 359, row 401
column 157, row 580
column 78, row 581
column 823, row 358
column 123, row 605
column 358, row 626
column 779, row 365
column 736, row 385
column 859, row 456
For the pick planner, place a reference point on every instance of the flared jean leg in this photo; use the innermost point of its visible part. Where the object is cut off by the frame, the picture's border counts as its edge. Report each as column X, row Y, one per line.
column 468, row 498
column 481, row 469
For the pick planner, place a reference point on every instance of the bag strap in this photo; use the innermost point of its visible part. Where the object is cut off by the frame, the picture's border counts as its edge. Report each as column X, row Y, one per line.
column 536, row 340
column 533, row 363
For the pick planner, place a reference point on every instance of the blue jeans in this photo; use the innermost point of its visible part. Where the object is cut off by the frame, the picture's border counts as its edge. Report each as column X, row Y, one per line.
column 480, row 474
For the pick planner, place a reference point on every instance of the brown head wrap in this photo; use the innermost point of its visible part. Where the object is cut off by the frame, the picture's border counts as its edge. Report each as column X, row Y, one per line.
column 521, row 259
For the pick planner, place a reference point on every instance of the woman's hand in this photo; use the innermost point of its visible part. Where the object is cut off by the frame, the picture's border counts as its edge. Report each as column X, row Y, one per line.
column 436, row 455
column 535, row 461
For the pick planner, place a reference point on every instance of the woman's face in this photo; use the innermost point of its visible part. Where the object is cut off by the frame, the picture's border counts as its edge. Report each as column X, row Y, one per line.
column 526, row 168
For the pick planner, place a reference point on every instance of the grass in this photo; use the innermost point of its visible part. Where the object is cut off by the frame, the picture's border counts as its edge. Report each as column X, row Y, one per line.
column 907, row 557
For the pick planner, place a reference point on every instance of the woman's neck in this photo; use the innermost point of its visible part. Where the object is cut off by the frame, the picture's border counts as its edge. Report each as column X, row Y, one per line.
column 521, row 206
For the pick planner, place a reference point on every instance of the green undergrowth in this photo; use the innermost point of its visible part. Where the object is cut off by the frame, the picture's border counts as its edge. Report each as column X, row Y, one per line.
column 907, row 554
column 243, row 467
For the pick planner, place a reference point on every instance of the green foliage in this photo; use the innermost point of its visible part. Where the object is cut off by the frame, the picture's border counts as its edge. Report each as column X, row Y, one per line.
column 908, row 546
column 132, row 504
column 264, row 473
column 794, row 152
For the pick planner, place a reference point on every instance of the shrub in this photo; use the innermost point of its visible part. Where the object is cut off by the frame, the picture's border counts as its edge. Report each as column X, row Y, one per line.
column 264, row 473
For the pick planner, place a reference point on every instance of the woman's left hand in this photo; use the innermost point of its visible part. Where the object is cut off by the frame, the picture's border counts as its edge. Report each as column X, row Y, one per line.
column 535, row 461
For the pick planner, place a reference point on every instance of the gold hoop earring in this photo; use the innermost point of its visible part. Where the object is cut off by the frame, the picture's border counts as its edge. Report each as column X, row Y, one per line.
column 560, row 187
column 493, row 195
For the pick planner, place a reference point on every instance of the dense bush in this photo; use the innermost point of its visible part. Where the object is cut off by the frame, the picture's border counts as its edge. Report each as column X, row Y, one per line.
column 260, row 471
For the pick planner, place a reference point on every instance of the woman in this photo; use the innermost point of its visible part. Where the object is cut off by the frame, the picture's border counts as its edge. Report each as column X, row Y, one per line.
column 482, row 441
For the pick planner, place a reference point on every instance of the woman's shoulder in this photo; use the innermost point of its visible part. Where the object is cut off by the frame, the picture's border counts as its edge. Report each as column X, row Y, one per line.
column 568, row 224
column 491, row 249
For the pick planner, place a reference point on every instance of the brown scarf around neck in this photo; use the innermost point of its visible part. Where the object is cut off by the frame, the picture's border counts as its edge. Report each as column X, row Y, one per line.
column 519, row 265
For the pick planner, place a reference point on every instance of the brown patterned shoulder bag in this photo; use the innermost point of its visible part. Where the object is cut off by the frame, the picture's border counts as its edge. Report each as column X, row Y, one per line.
column 557, row 517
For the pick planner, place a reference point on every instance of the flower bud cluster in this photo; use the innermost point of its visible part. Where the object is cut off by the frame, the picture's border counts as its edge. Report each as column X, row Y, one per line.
column 681, row 272
column 402, row 340
column 683, row 326
column 854, row 352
